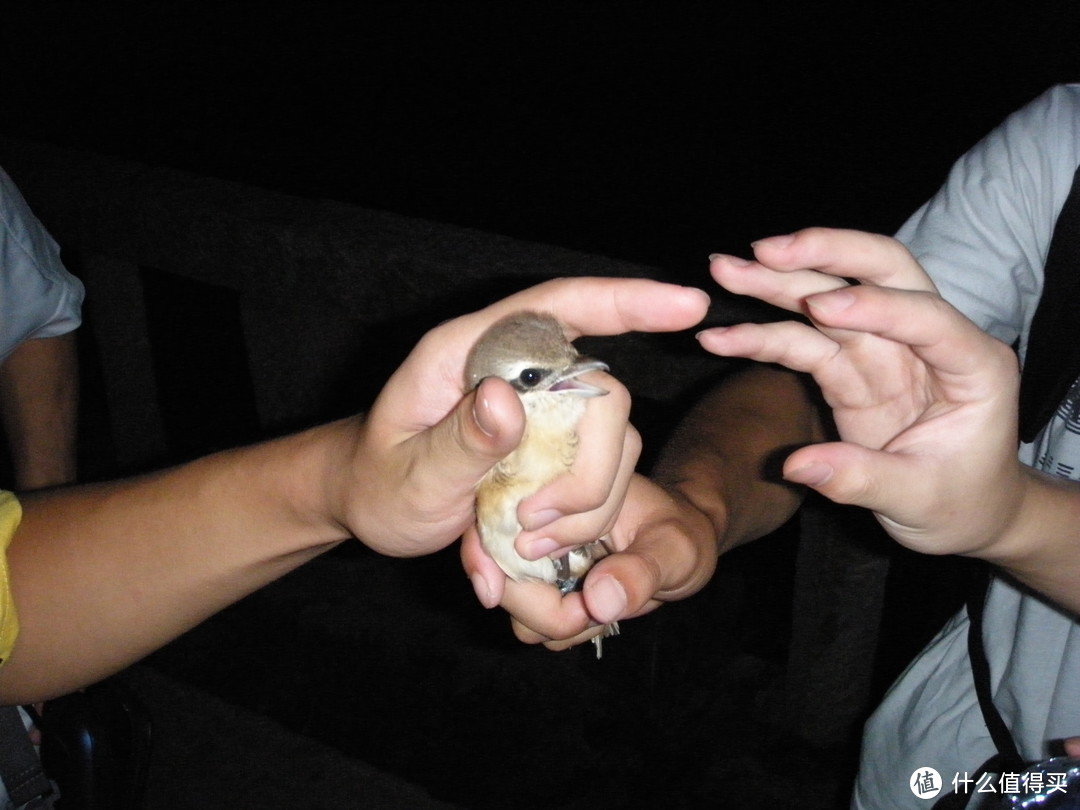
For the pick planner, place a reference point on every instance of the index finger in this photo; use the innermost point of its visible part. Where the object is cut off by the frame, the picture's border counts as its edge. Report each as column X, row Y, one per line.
column 584, row 306
column 604, row 306
column 867, row 257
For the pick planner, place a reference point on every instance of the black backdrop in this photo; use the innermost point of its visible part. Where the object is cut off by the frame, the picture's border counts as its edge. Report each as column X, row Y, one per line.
column 652, row 131
column 655, row 131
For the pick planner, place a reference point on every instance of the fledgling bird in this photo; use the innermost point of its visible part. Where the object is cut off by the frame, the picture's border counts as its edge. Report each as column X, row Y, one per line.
column 530, row 351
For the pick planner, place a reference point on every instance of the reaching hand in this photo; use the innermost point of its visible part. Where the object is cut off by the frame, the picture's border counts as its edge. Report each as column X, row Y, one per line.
column 924, row 401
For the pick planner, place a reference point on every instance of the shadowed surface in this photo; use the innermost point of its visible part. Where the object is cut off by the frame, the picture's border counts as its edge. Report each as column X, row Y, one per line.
column 652, row 133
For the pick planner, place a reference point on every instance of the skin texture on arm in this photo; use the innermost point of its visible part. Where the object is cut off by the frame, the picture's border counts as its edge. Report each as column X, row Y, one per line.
column 726, row 454
column 103, row 574
column 39, row 397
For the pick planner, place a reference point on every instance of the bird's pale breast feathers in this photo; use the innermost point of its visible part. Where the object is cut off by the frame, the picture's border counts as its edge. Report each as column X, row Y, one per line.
column 530, row 351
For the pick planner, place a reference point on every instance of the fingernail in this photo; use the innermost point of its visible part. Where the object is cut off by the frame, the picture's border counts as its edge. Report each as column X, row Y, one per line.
column 539, row 519
column 539, row 547
column 774, row 241
column 606, row 598
column 485, row 420
column 737, row 261
column 712, row 330
column 835, row 301
column 484, row 592
column 701, row 294
column 813, row 474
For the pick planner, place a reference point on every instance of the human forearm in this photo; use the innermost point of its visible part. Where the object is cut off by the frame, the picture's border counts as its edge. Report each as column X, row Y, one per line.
column 104, row 574
column 39, row 395
column 725, row 456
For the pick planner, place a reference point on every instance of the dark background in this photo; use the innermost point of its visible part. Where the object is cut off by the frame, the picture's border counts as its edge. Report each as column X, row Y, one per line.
column 657, row 132
column 654, row 131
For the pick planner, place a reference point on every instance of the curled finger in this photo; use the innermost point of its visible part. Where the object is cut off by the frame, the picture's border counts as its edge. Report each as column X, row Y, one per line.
column 785, row 289
column 606, row 445
column 541, row 613
column 845, row 254
column 576, row 529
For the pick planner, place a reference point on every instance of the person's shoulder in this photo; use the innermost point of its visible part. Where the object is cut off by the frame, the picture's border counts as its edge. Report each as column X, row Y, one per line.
column 1052, row 117
column 1032, row 155
column 8, row 197
column 1064, row 97
column 15, row 214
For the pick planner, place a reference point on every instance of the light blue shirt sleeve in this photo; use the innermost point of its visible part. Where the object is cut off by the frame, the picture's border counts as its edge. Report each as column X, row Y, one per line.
column 985, row 235
column 39, row 298
column 984, row 238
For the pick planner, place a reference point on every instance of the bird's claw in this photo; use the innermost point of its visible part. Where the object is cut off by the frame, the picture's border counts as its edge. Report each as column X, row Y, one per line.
column 598, row 640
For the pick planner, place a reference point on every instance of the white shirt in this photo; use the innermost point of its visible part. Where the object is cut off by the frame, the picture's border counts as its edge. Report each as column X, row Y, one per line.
column 984, row 239
column 38, row 297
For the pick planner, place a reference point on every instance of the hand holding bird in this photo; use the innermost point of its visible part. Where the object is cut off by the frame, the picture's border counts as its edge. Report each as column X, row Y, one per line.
column 530, row 351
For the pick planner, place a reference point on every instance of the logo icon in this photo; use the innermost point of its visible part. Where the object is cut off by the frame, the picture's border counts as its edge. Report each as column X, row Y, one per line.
column 925, row 783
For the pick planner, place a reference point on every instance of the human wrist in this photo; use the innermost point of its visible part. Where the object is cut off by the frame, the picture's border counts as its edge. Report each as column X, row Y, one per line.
column 1043, row 508
column 703, row 499
column 321, row 484
column 1040, row 546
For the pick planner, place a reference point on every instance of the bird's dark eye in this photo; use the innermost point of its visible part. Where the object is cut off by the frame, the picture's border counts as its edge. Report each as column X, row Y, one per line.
column 530, row 377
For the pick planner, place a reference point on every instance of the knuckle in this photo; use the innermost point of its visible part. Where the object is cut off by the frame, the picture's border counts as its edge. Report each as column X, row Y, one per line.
column 809, row 237
column 583, row 529
column 579, row 498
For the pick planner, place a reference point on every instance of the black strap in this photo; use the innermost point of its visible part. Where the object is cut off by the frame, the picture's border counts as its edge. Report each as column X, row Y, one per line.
column 1052, row 362
column 1051, row 366
column 20, row 766
column 980, row 670
column 1007, row 758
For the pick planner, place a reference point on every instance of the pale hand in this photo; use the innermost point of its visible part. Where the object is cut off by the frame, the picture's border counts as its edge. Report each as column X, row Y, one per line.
column 924, row 401
column 427, row 443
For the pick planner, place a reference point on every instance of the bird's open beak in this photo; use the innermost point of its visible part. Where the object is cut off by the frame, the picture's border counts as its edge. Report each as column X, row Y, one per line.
column 568, row 381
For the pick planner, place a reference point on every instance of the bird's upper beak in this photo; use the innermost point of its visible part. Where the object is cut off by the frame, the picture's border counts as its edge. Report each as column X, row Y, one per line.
column 568, row 381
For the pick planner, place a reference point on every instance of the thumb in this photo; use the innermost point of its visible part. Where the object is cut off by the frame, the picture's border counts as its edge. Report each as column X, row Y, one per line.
column 879, row 480
column 484, row 426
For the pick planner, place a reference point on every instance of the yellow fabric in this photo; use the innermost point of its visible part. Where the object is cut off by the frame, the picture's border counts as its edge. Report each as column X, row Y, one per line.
column 10, row 515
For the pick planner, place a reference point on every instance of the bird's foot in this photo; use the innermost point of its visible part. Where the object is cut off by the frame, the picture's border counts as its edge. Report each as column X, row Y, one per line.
column 598, row 641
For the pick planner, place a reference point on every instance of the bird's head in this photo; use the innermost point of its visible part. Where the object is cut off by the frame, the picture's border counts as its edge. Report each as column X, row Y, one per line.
column 530, row 351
